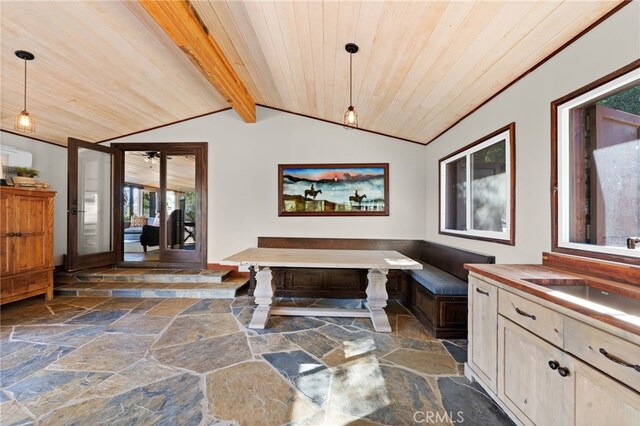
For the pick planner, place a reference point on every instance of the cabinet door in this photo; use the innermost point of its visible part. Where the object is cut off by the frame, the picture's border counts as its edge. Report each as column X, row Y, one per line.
column 33, row 221
column 600, row 400
column 534, row 391
column 483, row 330
column 7, row 224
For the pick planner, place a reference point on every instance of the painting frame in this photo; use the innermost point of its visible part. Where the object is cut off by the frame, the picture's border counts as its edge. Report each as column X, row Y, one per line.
column 361, row 173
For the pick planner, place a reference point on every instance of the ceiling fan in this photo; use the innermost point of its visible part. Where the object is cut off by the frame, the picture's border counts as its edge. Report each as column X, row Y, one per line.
column 152, row 157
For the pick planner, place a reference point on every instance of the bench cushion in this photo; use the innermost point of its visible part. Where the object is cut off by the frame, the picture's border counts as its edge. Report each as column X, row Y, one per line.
column 438, row 281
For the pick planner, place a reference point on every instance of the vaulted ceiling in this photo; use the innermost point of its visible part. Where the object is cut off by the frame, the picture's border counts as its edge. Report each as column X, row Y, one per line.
column 105, row 68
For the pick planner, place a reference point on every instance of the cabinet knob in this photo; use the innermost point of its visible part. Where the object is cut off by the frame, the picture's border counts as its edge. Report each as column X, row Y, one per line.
column 554, row 365
column 563, row 371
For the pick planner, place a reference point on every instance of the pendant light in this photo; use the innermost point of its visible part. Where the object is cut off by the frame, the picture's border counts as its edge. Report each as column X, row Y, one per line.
column 350, row 115
column 24, row 121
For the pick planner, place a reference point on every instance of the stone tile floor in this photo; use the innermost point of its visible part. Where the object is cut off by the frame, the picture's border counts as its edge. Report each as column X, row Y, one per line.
column 117, row 361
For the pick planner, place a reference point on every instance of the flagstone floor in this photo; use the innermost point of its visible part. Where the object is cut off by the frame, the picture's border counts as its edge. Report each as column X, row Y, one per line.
column 118, row 361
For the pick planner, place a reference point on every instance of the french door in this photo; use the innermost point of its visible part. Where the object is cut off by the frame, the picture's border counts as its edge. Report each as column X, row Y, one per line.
column 90, row 214
column 181, row 199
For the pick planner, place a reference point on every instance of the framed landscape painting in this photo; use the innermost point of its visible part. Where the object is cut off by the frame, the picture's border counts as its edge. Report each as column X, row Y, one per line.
column 333, row 189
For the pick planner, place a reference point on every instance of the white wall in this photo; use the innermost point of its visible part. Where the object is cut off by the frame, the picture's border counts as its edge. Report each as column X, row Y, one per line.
column 243, row 165
column 606, row 48
column 51, row 161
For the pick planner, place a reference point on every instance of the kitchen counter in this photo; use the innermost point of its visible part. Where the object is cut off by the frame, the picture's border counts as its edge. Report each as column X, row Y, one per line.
column 535, row 280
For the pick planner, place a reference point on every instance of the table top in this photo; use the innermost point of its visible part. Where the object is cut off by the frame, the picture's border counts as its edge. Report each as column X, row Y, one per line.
column 314, row 258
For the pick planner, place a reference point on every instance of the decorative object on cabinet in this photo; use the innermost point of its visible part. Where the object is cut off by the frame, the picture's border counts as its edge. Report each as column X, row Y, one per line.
column 26, row 236
column 333, row 189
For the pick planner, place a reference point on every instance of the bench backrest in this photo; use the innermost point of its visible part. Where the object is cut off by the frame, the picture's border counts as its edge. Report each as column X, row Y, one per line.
column 451, row 259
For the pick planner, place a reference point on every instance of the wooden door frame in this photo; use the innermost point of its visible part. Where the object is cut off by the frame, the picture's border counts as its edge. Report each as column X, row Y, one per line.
column 201, row 181
column 72, row 261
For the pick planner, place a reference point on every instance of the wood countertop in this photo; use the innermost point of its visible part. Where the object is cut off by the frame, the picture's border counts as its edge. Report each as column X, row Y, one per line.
column 520, row 277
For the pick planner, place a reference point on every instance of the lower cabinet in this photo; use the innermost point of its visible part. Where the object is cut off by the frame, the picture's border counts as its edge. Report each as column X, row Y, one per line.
column 600, row 400
column 541, row 378
column 535, row 382
column 483, row 330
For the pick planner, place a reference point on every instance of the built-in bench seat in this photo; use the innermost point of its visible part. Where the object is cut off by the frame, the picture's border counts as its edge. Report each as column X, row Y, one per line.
column 437, row 281
column 437, row 294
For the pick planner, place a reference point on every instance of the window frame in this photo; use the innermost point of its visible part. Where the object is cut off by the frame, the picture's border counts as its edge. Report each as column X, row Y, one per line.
column 507, row 133
column 560, row 182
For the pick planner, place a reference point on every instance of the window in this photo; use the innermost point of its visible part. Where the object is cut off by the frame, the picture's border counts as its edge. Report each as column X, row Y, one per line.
column 477, row 189
column 597, row 168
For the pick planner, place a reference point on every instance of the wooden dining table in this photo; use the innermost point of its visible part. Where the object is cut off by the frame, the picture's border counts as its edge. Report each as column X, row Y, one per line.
column 378, row 262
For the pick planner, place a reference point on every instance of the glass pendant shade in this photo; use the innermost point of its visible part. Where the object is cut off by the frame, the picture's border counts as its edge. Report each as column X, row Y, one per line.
column 351, row 118
column 25, row 123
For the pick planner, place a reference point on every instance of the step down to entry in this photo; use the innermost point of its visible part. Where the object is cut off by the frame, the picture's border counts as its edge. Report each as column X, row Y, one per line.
column 197, row 290
column 158, row 276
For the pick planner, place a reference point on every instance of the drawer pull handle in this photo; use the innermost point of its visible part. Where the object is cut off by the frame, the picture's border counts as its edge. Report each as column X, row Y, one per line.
column 486, row 293
column 524, row 314
column 563, row 371
column 11, row 234
column 618, row 360
column 18, row 234
column 554, row 365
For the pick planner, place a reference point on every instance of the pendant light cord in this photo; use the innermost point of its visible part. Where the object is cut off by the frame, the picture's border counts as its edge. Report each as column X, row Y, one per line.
column 25, row 84
column 350, row 80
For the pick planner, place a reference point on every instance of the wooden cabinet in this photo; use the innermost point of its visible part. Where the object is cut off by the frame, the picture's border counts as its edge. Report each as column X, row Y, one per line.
column 483, row 330
column 544, row 366
column 535, row 382
column 26, row 242
column 599, row 400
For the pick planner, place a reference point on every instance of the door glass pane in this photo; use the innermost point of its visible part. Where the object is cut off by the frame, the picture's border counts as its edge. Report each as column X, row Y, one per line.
column 141, row 206
column 456, row 209
column 181, row 202
column 489, row 188
column 94, row 202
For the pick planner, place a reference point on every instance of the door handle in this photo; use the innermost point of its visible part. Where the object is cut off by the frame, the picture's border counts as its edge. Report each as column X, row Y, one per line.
column 618, row 360
column 524, row 314
column 76, row 211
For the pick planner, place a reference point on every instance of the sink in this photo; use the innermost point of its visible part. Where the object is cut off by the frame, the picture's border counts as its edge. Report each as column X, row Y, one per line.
column 609, row 299
column 581, row 289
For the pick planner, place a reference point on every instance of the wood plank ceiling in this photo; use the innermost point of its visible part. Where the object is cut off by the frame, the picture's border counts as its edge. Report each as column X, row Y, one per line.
column 104, row 69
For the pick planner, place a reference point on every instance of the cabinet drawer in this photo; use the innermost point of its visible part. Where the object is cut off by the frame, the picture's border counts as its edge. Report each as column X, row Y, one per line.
column 31, row 282
column 536, row 318
column 591, row 345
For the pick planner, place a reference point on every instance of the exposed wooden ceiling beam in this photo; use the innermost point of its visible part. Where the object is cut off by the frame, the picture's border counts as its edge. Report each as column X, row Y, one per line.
column 184, row 27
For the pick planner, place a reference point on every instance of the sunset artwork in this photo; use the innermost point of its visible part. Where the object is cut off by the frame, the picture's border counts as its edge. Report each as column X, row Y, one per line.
column 333, row 189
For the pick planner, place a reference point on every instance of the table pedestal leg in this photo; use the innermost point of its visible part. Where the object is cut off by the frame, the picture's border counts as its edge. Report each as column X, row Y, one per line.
column 377, row 299
column 263, row 293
